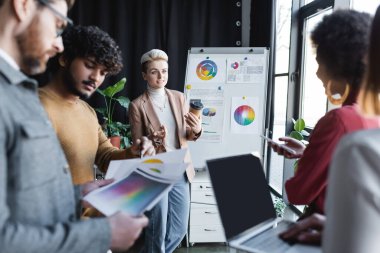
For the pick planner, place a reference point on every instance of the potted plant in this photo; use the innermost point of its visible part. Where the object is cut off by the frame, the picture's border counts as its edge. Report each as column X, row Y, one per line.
column 118, row 132
column 299, row 133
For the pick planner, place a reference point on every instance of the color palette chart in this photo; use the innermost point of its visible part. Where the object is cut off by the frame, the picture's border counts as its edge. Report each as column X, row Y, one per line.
column 154, row 165
column 132, row 194
column 206, row 70
column 244, row 115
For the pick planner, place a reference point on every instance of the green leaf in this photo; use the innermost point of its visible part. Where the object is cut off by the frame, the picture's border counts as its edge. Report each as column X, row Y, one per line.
column 100, row 91
column 295, row 166
column 110, row 127
column 124, row 143
column 279, row 206
column 299, row 125
column 113, row 129
column 102, row 111
column 123, row 101
column 296, row 135
column 110, row 91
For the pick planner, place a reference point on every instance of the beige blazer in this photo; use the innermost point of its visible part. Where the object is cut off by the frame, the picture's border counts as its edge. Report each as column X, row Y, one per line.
column 144, row 122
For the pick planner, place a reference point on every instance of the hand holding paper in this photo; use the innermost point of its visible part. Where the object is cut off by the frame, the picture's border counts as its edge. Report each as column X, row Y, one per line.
column 143, row 147
column 140, row 183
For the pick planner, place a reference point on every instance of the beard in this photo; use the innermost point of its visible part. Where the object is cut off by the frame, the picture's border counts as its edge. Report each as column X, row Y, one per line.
column 69, row 81
column 30, row 47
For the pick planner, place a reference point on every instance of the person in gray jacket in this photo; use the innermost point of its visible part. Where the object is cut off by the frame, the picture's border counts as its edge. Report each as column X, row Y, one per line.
column 39, row 206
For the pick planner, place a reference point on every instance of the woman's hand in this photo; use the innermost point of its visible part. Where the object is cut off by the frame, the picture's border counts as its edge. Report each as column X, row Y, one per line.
column 161, row 133
column 158, row 137
column 291, row 143
column 193, row 122
column 143, row 147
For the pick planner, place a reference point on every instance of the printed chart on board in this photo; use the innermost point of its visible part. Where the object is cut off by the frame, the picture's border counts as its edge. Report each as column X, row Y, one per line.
column 231, row 83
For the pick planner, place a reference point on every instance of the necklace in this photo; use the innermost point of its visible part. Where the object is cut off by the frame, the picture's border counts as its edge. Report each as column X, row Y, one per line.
column 161, row 106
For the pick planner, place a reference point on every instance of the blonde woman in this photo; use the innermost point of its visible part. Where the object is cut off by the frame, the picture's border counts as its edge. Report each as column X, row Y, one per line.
column 162, row 115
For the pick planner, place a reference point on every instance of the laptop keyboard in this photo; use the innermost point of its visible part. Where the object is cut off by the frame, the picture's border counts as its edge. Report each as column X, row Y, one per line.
column 268, row 241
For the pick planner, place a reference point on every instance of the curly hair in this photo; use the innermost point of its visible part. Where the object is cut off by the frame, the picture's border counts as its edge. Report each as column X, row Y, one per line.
column 342, row 40
column 90, row 41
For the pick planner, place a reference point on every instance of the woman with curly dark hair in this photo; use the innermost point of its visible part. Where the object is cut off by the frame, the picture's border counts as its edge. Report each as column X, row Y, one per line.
column 90, row 55
column 352, row 203
column 341, row 41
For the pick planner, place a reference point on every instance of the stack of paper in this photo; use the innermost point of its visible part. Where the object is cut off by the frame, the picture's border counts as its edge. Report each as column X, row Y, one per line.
column 140, row 183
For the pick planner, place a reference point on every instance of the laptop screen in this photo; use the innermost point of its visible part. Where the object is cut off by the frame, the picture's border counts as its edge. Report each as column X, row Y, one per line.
column 241, row 191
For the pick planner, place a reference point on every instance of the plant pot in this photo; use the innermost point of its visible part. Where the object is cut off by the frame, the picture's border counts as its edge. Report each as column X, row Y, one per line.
column 115, row 141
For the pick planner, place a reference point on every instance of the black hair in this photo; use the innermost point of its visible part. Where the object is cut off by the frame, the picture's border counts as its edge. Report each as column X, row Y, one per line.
column 342, row 40
column 90, row 41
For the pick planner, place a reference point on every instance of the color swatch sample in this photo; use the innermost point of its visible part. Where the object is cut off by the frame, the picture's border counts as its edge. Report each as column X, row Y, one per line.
column 244, row 115
column 210, row 112
column 235, row 65
column 153, row 165
column 152, row 160
column 206, row 70
column 132, row 194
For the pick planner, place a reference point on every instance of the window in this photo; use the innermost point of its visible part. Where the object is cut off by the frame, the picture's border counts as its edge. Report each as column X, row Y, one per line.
column 296, row 89
column 308, row 1
column 276, row 161
column 369, row 6
column 283, row 18
column 280, row 89
column 313, row 98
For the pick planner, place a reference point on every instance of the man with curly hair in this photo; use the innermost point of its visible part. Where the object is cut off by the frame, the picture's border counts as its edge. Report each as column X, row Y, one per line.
column 90, row 55
column 39, row 206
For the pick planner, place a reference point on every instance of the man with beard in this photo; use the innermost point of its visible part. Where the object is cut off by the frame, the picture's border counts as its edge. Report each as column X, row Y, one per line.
column 39, row 207
column 90, row 55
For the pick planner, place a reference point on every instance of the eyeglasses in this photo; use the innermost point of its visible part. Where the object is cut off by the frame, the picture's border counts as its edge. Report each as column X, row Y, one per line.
column 58, row 14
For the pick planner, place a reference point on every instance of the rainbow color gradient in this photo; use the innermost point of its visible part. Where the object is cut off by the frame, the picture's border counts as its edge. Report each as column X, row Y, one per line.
column 206, row 70
column 133, row 193
column 244, row 115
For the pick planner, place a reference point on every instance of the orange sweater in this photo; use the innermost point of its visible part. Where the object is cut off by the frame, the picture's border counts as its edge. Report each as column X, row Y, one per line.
column 80, row 135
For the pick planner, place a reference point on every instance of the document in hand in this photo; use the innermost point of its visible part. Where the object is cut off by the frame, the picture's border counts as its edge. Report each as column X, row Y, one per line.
column 140, row 183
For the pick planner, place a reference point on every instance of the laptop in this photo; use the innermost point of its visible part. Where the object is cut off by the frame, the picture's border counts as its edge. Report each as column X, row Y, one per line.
column 246, row 208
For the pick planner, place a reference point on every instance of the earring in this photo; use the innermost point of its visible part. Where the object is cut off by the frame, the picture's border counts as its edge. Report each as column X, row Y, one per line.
column 61, row 62
column 337, row 99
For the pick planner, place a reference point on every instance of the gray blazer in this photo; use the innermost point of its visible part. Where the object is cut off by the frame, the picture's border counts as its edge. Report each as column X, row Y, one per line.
column 38, row 203
column 353, row 195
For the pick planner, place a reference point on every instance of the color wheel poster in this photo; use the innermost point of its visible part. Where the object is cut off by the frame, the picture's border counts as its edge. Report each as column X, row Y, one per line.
column 206, row 69
column 246, row 70
column 244, row 115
